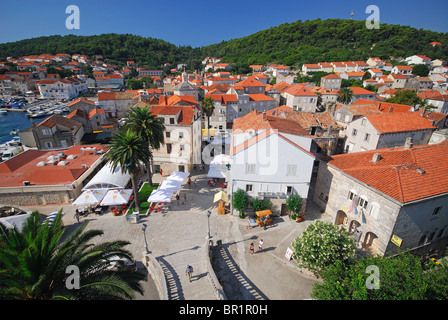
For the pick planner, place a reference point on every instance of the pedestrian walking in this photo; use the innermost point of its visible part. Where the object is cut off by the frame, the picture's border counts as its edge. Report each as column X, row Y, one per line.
column 195, row 183
column 185, row 198
column 189, row 182
column 177, row 198
column 189, row 272
column 265, row 224
column 248, row 223
column 251, row 248
column 161, row 172
column 76, row 215
column 260, row 245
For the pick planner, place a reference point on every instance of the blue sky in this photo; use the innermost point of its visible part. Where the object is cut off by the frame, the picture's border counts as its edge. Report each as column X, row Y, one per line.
column 199, row 22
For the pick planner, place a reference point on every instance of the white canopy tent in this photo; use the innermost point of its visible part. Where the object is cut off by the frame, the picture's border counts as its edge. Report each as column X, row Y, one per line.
column 90, row 197
column 116, row 197
column 178, row 176
column 218, row 166
column 161, row 196
column 108, row 179
column 170, row 185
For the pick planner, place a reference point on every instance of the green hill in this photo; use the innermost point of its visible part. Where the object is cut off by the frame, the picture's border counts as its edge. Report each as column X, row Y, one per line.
column 295, row 43
column 329, row 40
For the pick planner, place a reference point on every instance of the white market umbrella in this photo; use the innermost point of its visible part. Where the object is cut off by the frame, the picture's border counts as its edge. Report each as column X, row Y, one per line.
column 171, row 185
column 116, row 197
column 161, row 195
column 178, row 176
column 90, row 197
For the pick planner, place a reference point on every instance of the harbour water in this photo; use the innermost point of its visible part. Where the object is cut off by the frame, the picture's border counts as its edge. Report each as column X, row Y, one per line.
column 15, row 120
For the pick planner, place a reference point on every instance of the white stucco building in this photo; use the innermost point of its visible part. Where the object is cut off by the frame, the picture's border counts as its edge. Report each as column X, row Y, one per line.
column 270, row 158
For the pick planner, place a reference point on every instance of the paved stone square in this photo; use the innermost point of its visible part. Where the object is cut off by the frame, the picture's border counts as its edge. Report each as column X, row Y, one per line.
column 177, row 238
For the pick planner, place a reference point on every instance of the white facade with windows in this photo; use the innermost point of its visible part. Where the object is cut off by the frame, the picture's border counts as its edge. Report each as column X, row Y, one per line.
column 273, row 165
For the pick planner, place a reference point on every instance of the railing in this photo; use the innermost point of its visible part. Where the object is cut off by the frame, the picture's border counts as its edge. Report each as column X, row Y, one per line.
column 219, row 292
column 157, row 274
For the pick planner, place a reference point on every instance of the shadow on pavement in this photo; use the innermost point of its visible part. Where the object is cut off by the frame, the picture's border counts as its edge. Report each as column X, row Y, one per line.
column 235, row 283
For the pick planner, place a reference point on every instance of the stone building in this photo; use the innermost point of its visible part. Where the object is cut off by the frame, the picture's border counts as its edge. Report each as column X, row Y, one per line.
column 389, row 199
column 39, row 177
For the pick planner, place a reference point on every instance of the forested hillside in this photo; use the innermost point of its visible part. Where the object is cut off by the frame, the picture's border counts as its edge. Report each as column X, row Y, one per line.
column 329, row 40
column 290, row 43
column 117, row 47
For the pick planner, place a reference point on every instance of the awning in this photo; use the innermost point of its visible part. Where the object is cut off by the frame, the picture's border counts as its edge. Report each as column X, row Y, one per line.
column 90, row 197
column 108, row 179
column 116, row 197
column 178, row 176
column 215, row 173
column 170, row 185
column 161, row 196
column 263, row 213
column 218, row 166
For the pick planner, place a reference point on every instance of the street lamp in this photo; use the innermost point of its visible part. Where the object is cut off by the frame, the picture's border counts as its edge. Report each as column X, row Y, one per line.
column 144, row 236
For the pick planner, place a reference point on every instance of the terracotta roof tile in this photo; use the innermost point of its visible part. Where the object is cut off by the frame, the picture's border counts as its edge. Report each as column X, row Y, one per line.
column 399, row 122
column 396, row 174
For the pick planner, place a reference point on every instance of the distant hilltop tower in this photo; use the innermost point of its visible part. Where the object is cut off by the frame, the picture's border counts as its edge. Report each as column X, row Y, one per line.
column 351, row 15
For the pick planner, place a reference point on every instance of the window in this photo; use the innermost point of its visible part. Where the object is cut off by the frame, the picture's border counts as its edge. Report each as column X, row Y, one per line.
column 168, row 134
column 168, row 148
column 366, row 137
column 249, row 188
column 351, row 195
column 289, row 190
column 250, row 168
column 171, row 120
column 354, row 132
column 181, row 135
column 363, row 121
column 46, row 132
column 291, row 170
column 363, row 202
column 422, row 239
column 437, row 211
column 374, row 210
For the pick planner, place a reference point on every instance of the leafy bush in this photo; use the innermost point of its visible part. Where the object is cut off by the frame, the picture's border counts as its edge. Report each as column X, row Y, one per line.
column 239, row 200
column 259, row 205
column 321, row 245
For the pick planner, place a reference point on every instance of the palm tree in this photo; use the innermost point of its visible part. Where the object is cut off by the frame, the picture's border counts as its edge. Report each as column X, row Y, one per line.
column 208, row 107
column 345, row 95
column 149, row 128
column 34, row 264
column 127, row 150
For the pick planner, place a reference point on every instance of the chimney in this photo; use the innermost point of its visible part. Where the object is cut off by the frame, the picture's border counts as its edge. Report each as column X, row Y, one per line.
column 409, row 143
column 330, row 128
column 376, row 157
column 391, row 109
column 263, row 116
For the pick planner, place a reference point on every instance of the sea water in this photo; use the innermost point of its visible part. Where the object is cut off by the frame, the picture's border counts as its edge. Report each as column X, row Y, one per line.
column 15, row 120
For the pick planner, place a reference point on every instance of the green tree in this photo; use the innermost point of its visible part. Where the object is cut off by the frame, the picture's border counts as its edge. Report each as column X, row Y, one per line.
column 406, row 96
column 403, row 277
column 294, row 203
column 208, row 106
column 420, row 70
column 239, row 200
column 259, row 205
column 345, row 95
column 127, row 151
column 34, row 261
column 149, row 128
column 321, row 245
